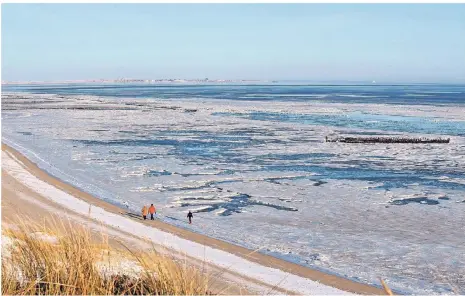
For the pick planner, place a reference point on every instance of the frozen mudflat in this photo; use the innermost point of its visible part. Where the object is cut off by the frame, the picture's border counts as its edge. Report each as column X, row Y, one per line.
column 259, row 174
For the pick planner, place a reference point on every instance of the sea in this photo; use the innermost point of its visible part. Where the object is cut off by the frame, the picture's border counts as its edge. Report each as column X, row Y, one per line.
column 252, row 163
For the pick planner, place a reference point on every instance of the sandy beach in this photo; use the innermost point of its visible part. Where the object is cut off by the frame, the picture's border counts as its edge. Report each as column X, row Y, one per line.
column 20, row 200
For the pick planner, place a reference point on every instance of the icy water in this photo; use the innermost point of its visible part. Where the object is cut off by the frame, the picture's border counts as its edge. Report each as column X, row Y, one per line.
column 251, row 162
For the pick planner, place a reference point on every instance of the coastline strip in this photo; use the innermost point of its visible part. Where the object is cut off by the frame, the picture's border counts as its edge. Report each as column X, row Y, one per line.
column 290, row 276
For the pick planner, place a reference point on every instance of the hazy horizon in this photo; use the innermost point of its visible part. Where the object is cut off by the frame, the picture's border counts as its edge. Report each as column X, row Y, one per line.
column 386, row 43
column 221, row 81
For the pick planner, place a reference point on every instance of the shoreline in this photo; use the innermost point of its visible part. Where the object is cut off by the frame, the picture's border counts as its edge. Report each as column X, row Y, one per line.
column 250, row 255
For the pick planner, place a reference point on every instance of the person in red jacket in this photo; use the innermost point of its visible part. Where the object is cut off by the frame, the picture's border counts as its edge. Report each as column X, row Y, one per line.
column 152, row 211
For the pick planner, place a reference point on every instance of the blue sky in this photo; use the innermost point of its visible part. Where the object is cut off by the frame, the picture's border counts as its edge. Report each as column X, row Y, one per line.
column 323, row 42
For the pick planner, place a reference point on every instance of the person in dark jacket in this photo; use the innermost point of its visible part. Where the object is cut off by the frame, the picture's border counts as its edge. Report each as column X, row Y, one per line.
column 190, row 216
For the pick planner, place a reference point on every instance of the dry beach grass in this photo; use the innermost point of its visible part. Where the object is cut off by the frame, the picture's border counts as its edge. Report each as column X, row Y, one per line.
column 39, row 261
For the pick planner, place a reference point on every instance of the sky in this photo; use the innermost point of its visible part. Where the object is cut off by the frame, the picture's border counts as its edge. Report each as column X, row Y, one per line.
column 315, row 42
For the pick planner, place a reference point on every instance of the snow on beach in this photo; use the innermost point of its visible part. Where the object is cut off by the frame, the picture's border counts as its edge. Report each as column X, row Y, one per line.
column 220, row 258
column 258, row 167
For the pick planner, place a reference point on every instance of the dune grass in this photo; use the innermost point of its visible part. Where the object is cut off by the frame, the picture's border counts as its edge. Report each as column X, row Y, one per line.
column 71, row 264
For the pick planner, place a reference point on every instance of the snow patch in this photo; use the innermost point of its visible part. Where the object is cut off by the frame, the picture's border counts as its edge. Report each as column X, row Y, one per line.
column 44, row 237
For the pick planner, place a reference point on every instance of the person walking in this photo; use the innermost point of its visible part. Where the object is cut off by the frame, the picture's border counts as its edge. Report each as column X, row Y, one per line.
column 152, row 211
column 190, row 216
column 145, row 212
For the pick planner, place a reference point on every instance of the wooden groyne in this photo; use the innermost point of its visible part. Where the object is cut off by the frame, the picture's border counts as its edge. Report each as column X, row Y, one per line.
column 387, row 140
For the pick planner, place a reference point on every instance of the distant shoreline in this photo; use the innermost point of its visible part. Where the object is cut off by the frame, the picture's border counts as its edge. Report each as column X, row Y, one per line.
column 225, row 82
column 145, row 81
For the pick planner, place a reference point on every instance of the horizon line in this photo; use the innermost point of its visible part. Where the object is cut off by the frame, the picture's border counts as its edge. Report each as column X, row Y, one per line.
column 210, row 81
